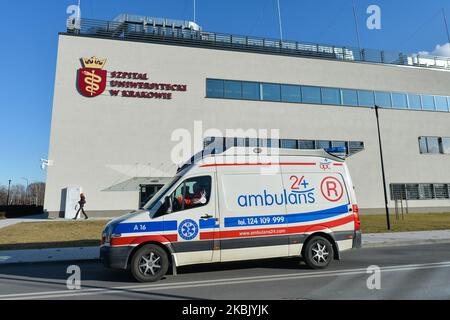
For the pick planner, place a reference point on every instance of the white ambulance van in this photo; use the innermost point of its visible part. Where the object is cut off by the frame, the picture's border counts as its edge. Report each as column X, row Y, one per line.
column 242, row 204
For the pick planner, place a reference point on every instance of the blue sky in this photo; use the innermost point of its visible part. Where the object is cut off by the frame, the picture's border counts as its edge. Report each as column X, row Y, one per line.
column 29, row 32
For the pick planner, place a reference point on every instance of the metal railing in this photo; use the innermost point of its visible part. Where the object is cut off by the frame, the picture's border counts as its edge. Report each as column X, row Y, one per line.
column 146, row 32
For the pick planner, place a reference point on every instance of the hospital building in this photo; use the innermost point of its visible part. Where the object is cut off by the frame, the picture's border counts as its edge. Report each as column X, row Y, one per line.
column 123, row 87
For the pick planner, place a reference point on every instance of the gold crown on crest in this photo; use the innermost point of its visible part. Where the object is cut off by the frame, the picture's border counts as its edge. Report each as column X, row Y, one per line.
column 94, row 62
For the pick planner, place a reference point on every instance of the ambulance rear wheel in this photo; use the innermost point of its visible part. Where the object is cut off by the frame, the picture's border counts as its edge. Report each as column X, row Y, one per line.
column 318, row 253
column 150, row 263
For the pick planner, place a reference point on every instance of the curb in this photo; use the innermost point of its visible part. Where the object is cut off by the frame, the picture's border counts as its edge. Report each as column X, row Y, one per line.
column 404, row 243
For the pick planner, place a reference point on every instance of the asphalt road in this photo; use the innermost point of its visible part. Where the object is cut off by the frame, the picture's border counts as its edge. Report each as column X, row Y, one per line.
column 407, row 272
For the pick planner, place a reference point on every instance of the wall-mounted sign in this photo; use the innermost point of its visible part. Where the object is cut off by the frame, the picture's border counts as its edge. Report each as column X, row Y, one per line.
column 92, row 82
column 91, row 78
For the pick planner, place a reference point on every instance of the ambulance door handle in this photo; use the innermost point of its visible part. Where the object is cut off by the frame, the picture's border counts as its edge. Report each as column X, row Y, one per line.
column 207, row 216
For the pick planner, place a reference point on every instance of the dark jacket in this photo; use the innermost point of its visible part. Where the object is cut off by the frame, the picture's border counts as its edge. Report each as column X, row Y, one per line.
column 82, row 201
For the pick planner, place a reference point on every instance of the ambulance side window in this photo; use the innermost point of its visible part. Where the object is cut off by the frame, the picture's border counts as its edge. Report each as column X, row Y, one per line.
column 191, row 193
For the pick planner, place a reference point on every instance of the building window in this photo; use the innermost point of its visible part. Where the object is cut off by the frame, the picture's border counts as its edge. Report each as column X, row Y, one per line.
column 291, row 93
column 273, row 143
column 445, row 145
column 311, row 94
column 399, row 100
column 398, row 191
column 423, row 145
column 433, row 145
column 441, row 103
column 331, row 96
column 419, row 191
column 251, row 142
column 426, row 191
column 230, row 142
column 323, row 144
column 250, row 91
column 289, row 143
column 412, row 192
column 383, row 99
column 441, row 191
column 349, row 97
column 214, row 88
column 428, row 103
column 270, row 92
column 240, row 142
column 306, row 144
column 355, row 146
column 414, row 102
column 366, row 98
column 232, row 89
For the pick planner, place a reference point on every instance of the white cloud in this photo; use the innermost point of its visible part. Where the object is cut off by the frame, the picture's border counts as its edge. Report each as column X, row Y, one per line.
column 443, row 50
column 439, row 50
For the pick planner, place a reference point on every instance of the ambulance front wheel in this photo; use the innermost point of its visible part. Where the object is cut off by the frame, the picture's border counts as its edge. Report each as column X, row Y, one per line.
column 149, row 263
column 318, row 253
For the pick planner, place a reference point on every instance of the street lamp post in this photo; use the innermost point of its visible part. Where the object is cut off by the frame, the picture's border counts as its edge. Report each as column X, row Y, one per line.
column 382, row 170
column 9, row 188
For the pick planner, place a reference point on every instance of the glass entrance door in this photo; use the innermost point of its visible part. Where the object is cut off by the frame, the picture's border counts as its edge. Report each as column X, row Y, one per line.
column 147, row 191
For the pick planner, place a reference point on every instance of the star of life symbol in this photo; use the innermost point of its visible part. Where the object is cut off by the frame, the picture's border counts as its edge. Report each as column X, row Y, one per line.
column 188, row 229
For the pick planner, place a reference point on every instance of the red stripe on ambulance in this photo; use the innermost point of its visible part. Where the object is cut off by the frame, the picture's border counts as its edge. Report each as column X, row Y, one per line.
column 141, row 239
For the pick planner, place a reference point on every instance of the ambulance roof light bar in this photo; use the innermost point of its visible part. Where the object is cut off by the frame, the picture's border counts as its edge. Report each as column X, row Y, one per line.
column 243, row 151
column 340, row 152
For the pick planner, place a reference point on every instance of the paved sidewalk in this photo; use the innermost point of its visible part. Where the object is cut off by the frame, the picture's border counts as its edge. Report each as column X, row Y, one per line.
column 93, row 253
column 404, row 238
column 9, row 222
column 34, row 218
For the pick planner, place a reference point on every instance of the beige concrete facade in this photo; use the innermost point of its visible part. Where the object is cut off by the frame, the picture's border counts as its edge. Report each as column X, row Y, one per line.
column 98, row 142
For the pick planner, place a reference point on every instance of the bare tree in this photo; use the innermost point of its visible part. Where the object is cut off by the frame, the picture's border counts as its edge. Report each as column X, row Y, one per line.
column 17, row 195
column 20, row 195
column 3, row 195
column 36, row 193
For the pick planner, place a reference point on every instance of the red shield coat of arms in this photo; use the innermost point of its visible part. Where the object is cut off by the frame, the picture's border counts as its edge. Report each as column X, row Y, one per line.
column 91, row 82
column 92, row 78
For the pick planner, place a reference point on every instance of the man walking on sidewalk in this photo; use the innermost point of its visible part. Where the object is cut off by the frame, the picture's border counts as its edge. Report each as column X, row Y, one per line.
column 81, row 203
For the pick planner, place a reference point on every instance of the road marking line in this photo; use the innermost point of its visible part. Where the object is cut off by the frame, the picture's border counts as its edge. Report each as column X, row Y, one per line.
column 218, row 282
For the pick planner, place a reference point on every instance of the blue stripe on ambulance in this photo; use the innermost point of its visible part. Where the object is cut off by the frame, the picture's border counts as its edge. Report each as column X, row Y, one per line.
column 159, row 226
column 285, row 218
column 171, row 225
column 154, row 226
column 208, row 223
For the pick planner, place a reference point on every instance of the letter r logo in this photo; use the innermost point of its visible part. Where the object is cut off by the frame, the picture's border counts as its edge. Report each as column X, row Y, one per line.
column 332, row 189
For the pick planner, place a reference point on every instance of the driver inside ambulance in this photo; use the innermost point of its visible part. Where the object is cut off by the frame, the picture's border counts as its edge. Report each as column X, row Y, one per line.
column 198, row 198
